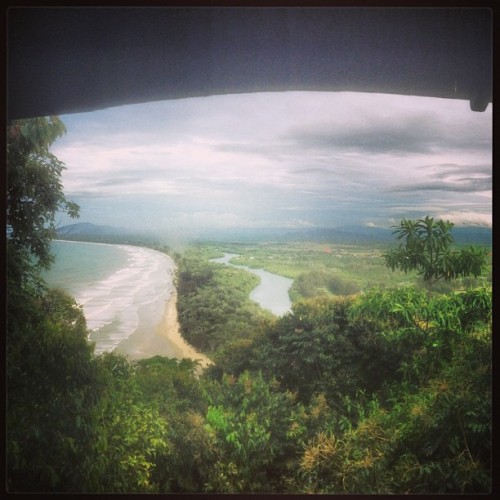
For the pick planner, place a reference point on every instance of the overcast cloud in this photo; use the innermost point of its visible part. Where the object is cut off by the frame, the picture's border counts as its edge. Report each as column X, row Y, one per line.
column 292, row 159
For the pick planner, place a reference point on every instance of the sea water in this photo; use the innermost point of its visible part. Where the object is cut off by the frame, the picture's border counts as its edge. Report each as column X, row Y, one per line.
column 112, row 283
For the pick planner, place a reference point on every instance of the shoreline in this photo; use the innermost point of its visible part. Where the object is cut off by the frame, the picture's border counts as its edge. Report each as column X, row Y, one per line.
column 170, row 331
column 157, row 332
column 162, row 339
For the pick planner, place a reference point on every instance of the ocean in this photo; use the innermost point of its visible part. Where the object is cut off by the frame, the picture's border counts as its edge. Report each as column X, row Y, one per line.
column 113, row 284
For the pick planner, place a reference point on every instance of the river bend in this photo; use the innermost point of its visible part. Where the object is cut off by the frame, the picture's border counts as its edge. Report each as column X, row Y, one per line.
column 272, row 291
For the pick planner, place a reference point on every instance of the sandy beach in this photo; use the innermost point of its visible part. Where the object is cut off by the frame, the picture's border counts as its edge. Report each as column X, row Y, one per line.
column 163, row 339
column 128, row 297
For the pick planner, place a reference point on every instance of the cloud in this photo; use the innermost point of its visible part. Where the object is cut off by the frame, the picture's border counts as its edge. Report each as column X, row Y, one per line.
column 244, row 148
column 464, row 185
column 394, row 129
column 211, row 219
column 452, row 178
column 257, row 158
column 417, row 134
column 449, row 169
column 467, row 218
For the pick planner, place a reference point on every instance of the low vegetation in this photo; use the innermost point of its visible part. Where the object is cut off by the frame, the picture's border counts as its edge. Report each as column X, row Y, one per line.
column 384, row 393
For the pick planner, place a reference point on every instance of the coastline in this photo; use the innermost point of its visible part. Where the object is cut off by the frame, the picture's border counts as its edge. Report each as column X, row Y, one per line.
column 170, row 331
column 131, row 309
column 162, row 339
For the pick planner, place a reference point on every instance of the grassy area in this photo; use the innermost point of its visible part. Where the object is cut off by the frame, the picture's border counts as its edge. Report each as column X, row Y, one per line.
column 359, row 266
column 325, row 269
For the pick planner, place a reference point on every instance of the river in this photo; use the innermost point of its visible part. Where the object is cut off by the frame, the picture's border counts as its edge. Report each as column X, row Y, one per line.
column 272, row 291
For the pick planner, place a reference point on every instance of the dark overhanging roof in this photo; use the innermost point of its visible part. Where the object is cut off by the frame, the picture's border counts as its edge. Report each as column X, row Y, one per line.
column 66, row 60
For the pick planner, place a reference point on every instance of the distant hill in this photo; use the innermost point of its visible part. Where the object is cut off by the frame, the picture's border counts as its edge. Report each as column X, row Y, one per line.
column 342, row 235
column 475, row 235
column 85, row 231
column 89, row 229
column 320, row 234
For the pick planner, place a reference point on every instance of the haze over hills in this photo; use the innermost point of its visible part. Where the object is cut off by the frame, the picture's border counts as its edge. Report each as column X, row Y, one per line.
column 346, row 234
column 86, row 231
column 89, row 229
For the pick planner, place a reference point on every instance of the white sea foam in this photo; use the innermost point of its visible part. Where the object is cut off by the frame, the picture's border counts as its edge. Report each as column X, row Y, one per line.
column 111, row 305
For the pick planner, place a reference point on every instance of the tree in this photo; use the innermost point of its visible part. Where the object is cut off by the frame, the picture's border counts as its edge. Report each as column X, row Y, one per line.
column 49, row 361
column 252, row 422
column 34, row 188
column 51, row 391
column 427, row 250
column 428, row 431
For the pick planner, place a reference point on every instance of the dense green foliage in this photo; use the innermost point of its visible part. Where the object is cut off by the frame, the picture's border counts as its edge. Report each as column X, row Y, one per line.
column 213, row 306
column 340, row 396
column 385, row 392
column 431, row 431
column 49, row 380
column 319, row 349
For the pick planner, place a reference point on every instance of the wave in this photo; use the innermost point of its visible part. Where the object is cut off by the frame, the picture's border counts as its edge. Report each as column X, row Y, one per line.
column 138, row 278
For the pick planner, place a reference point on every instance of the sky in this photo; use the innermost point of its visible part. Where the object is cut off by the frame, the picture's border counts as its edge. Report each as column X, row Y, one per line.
column 283, row 159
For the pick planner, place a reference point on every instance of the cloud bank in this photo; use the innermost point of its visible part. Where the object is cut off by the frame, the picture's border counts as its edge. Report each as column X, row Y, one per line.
column 279, row 160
